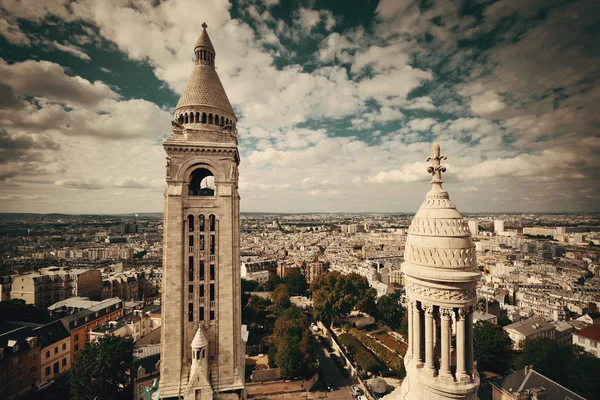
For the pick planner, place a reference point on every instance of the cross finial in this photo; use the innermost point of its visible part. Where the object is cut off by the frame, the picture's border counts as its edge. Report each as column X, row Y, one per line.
column 436, row 168
column 204, row 25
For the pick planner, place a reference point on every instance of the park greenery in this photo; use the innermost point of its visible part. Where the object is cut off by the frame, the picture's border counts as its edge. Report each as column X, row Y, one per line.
column 390, row 358
column 102, row 370
column 336, row 295
column 389, row 310
column 492, row 347
column 357, row 352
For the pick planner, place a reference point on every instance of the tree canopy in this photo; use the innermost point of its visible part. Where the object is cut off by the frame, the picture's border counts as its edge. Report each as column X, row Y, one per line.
column 296, row 283
column 389, row 309
column 492, row 347
column 292, row 342
column 564, row 363
column 101, row 370
column 335, row 295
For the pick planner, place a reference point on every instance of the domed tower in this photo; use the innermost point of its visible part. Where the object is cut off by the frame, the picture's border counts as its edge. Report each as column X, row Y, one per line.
column 201, row 296
column 441, row 277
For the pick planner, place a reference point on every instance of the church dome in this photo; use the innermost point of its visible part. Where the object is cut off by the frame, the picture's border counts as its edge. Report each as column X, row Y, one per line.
column 204, row 88
column 438, row 239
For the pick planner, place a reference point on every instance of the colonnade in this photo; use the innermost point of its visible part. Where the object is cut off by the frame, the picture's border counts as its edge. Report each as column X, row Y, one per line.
column 430, row 339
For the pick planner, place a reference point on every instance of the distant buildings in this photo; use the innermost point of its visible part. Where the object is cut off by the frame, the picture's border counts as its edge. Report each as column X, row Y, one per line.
column 19, row 359
column 473, row 227
column 588, row 338
column 532, row 328
column 54, row 284
column 498, row 226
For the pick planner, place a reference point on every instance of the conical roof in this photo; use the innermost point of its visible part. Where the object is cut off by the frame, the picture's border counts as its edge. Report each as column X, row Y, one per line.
column 204, row 40
column 204, row 88
column 438, row 237
column 199, row 340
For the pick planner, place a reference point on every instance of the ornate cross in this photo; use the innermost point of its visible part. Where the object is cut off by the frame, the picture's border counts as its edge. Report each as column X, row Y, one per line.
column 204, row 25
column 436, row 168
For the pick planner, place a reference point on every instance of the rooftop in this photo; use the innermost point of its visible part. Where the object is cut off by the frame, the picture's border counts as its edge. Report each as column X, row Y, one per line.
column 528, row 379
column 591, row 332
column 529, row 326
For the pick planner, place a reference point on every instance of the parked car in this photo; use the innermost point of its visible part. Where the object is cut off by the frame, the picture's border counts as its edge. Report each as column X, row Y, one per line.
column 44, row 385
column 356, row 391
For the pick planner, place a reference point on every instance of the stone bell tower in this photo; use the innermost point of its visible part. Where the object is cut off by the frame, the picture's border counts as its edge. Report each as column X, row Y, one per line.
column 441, row 278
column 202, row 350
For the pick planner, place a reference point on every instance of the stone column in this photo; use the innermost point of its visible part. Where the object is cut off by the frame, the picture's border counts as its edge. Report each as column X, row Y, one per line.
column 460, row 344
column 446, row 334
column 429, row 363
column 416, row 334
column 469, row 343
column 410, row 337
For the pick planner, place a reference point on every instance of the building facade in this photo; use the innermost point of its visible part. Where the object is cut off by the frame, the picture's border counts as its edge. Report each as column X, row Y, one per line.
column 588, row 338
column 441, row 276
column 201, row 257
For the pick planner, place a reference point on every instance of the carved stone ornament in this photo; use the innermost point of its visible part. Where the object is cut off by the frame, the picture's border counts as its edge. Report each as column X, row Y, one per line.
column 440, row 294
column 441, row 257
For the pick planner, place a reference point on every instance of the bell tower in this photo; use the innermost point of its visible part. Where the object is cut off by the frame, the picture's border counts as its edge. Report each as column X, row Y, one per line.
column 202, row 350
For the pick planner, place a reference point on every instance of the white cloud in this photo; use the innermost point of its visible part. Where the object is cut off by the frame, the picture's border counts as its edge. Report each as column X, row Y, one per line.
column 13, row 33
column 71, row 49
column 421, row 124
column 79, row 184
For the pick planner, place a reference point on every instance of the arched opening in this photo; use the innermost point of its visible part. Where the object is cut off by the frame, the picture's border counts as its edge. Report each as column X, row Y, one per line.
column 202, row 183
column 191, row 118
column 186, row 118
column 227, row 121
column 203, row 117
column 217, row 119
column 181, row 118
column 210, row 119
column 197, row 117
column 222, row 121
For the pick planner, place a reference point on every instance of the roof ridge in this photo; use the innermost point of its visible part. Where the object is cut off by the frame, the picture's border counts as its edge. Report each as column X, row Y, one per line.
column 556, row 383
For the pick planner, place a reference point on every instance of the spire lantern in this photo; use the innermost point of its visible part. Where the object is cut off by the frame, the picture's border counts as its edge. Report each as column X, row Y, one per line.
column 204, row 49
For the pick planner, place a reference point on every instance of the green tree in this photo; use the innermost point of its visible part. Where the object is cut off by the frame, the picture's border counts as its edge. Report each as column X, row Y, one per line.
column 272, row 283
column 280, row 297
column 296, row 283
column 294, row 354
column 492, row 347
column 564, row 363
column 18, row 310
column 389, row 309
column 101, row 370
column 335, row 295
column 250, row 286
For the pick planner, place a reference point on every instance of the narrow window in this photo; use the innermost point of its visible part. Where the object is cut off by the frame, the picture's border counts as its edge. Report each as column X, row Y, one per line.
column 201, row 277
column 212, row 315
column 212, row 244
column 222, row 121
column 190, row 312
column 203, row 117
column 191, row 240
column 186, row 118
column 191, row 268
column 212, row 272
column 212, row 292
column 191, row 118
column 201, row 218
column 217, row 119
column 197, row 117
column 201, row 313
column 191, row 223
column 212, row 222
column 181, row 118
column 190, row 288
column 210, row 119
column 201, row 291
column 201, row 242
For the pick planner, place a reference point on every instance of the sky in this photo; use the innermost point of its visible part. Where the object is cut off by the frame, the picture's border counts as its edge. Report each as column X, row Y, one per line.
column 337, row 102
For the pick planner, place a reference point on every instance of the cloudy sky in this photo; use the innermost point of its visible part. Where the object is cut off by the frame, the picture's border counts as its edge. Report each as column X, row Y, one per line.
column 338, row 102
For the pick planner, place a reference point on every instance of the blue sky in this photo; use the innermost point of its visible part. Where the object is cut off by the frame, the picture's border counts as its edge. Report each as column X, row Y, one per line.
column 338, row 102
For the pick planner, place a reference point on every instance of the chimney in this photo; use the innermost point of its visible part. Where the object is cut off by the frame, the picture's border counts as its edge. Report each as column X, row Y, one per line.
column 539, row 393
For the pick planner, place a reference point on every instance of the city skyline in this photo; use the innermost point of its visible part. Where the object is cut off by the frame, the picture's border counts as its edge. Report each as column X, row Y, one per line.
column 337, row 107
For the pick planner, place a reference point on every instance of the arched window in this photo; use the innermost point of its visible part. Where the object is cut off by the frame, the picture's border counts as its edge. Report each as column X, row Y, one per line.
column 181, row 118
column 191, row 118
column 203, row 118
column 201, row 220
column 202, row 183
column 217, row 119
column 197, row 117
column 186, row 118
column 227, row 121
column 211, row 220
column 191, row 222
column 210, row 119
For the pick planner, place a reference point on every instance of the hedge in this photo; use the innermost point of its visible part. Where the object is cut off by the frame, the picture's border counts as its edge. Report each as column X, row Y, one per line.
column 389, row 357
column 363, row 357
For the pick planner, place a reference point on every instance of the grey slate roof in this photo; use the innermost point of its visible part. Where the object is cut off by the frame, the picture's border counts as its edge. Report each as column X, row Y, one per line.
column 526, row 327
column 51, row 333
column 527, row 379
